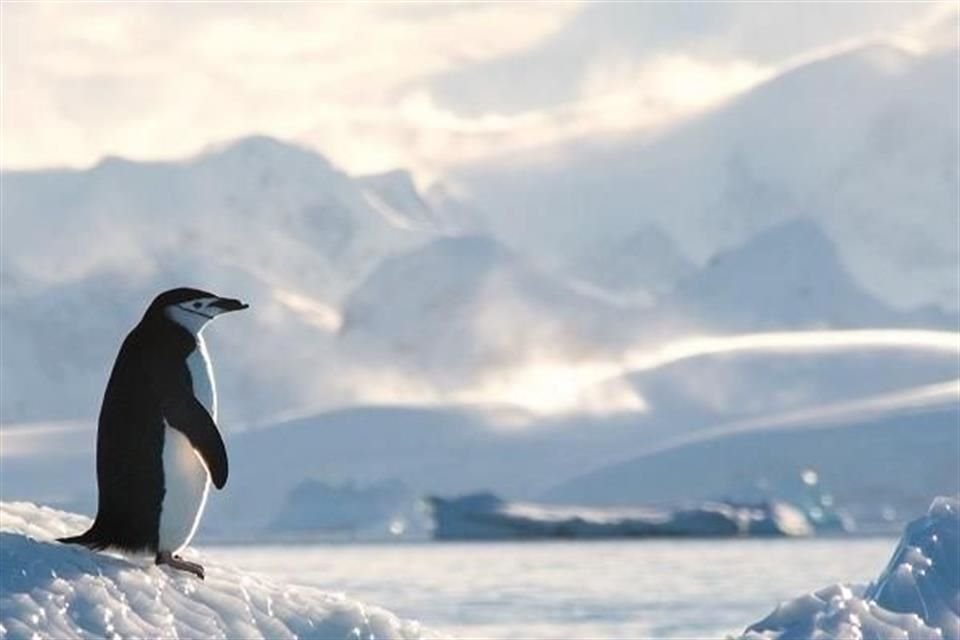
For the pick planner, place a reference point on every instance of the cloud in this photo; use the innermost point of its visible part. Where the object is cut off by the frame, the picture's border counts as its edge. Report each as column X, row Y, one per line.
column 375, row 86
column 762, row 34
column 430, row 138
column 146, row 80
column 309, row 310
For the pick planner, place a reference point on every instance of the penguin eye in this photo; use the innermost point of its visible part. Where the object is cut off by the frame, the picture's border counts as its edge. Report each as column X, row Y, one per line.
column 197, row 305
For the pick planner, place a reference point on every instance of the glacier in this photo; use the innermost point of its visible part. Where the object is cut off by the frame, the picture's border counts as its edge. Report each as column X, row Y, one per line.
column 917, row 596
column 52, row 590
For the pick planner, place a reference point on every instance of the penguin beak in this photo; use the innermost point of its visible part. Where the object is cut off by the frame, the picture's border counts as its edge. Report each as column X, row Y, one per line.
column 228, row 304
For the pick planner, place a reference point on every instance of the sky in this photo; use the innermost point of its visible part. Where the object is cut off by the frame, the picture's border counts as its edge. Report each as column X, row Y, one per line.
column 376, row 86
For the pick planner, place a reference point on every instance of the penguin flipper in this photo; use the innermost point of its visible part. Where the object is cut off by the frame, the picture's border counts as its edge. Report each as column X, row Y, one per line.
column 170, row 382
column 189, row 417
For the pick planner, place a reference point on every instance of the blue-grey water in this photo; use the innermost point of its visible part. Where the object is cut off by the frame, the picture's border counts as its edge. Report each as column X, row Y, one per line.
column 529, row 590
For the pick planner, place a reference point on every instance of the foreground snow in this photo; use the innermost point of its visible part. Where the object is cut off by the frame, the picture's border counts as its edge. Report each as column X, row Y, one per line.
column 52, row 590
column 486, row 516
column 916, row 597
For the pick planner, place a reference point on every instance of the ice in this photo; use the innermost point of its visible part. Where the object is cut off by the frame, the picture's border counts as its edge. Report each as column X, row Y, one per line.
column 52, row 590
column 917, row 596
column 486, row 516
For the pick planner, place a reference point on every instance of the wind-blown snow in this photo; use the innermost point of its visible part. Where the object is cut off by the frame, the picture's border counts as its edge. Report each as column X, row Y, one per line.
column 52, row 590
column 917, row 596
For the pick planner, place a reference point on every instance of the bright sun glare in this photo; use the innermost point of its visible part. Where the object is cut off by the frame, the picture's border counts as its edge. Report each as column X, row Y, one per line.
column 540, row 389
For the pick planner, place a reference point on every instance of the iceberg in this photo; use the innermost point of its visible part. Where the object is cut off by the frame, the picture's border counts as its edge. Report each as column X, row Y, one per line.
column 917, row 596
column 52, row 590
column 315, row 508
column 485, row 516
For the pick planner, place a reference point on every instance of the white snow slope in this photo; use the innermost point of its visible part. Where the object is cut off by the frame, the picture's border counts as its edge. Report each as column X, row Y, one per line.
column 52, row 590
column 917, row 596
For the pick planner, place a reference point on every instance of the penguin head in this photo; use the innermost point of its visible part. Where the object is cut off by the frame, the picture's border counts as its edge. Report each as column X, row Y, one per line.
column 192, row 309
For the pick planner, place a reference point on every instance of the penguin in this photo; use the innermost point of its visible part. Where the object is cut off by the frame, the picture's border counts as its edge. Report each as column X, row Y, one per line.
column 158, row 446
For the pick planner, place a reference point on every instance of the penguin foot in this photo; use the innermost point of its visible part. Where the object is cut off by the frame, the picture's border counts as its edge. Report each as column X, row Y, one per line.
column 176, row 562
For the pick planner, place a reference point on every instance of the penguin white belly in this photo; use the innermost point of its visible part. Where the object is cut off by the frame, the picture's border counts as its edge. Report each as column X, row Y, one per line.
column 186, row 482
column 186, row 479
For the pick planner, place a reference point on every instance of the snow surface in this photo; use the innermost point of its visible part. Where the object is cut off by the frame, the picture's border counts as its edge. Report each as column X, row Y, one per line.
column 52, row 590
column 917, row 596
column 486, row 516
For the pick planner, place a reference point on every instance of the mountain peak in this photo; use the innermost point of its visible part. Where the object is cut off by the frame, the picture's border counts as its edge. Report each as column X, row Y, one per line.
column 261, row 149
column 791, row 251
column 882, row 57
column 646, row 259
column 789, row 274
column 397, row 191
column 397, row 179
column 795, row 235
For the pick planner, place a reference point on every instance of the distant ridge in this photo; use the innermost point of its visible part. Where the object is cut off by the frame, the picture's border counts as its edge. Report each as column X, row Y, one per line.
column 856, row 460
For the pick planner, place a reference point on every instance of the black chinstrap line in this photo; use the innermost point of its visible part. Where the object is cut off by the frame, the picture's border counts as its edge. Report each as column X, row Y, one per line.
column 194, row 311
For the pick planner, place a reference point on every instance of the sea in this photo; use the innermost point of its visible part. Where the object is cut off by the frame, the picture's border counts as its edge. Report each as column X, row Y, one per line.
column 572, row 590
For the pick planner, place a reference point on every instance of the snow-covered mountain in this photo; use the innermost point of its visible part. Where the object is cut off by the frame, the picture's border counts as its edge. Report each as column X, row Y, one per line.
column 461, row 305
column 692, row 394
column 864, row 142
column 351, row 280
column 85, row 251
column 396, row 196
column 278, row 212
column 645, row 262
column 362, row 290
column 787, row 276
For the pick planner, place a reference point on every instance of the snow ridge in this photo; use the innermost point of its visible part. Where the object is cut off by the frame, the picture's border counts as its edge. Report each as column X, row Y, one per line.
column 52, row 590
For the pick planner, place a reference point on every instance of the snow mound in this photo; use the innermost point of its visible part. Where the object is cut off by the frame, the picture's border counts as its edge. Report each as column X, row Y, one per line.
column 917, row 596
column 52, row 590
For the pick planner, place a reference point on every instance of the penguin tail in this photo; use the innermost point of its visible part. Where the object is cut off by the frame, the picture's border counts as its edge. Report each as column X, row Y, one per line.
column 88, row 539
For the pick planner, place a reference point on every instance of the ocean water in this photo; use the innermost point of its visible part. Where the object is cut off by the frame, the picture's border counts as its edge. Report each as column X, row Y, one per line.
column 549, row 590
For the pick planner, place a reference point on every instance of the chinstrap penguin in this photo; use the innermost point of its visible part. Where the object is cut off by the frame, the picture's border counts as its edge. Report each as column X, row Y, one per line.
column 158, row 446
